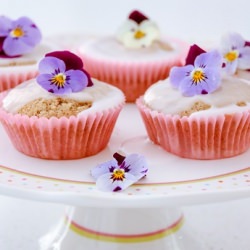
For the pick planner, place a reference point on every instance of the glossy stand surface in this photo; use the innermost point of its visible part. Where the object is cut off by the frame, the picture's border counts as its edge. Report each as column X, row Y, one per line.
column 123, row 229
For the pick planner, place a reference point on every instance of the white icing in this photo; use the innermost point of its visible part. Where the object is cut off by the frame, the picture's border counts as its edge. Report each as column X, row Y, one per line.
column 164, row 98
column 126, row 34
column 30, row 59
column 103, row 96
column 244, row 74
column 108, row 48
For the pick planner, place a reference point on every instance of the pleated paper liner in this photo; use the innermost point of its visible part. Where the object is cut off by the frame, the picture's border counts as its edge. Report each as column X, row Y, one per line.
column 60, row 138
column 217, row 137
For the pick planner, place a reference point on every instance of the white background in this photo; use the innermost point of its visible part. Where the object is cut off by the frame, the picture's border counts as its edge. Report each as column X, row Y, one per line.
column 193, row 20
column 224, row 226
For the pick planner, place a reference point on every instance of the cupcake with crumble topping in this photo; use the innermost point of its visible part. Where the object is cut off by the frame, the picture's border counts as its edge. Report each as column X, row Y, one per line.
column 63, row 113
column 20, row 51
column 135, row 57
column 198, row 112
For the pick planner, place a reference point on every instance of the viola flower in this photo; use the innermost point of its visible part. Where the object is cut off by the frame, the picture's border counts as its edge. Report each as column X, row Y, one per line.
column 138, row 31
column 236, row 53
column 61, row 72
column 201, row 77
column 18, row 37
column 120, row 172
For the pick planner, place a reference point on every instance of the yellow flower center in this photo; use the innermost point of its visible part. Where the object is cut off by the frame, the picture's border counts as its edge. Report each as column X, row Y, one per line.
column 17, row 32
column 198, row 76
column 59, row 80
column 118, row 175
column 231, row 55
column 139, row 34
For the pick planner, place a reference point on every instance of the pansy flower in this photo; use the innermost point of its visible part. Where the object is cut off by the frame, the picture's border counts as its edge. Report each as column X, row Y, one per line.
column 201, row 74
column 18, row 37
column 61, row 72
column 138, row 31
column 236, row 53
column 120, row 172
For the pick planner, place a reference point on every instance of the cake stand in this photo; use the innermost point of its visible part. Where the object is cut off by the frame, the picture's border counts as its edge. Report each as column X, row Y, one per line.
column 146, row 216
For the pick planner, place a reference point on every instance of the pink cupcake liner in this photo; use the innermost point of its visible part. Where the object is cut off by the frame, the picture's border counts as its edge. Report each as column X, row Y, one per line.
column 216, row 137
column 10, row 79
column 133, row 78
column 63, row 138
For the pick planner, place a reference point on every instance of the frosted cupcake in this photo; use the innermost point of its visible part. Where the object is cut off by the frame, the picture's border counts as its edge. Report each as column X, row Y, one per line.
column 20, row 51
column 63, row 113
column 196, row 113
column 235, row 51
column 133, row 59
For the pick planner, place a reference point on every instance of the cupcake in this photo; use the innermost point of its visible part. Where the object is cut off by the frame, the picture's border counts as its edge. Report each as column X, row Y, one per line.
column 20, row 51
column 63, row 113
column 198, row 112
column 236, row 55
column 134, row 58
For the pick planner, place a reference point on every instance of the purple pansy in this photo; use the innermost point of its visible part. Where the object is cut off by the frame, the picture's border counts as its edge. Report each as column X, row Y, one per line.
column 61, row 72
column 200, row 77
column 120, row 172
column 236, row 53
column 18, row 37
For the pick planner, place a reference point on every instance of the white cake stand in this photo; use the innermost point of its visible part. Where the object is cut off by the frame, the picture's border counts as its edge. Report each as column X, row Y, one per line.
column 145, row 216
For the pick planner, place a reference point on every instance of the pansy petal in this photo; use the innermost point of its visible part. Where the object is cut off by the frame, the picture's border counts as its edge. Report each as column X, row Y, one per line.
column 23, row 21
column 15, row 47
column 137, row 165
column 193, row 52
column 71, row 60
column 209, row 59
column 213, row 80
column 44, row 81
column 5, row 25
column 137, row 16
column 187, row 88
column 32, row 36
column 103, row 168
column 231, row 67
column 244, row 59
column 178, row 73
column 105, row 183
column 77, row 80
column 232, row 41
column 1, row 43
column 90, row 82
column 48, row 65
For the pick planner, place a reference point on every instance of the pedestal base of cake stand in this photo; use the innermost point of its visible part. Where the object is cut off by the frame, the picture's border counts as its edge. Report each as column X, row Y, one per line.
column 121, row 229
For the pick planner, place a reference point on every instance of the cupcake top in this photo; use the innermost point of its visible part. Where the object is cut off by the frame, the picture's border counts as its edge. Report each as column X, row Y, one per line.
column 199, row 88
column 20, row 42
column 138, row 39
column 63, row 88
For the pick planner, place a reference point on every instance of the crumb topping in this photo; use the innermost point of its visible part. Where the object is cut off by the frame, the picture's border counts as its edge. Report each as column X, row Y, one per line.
column 17, row 63
column 57, row 107
column 197, row 106
column 241, row 104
